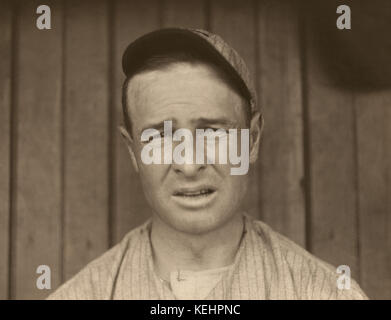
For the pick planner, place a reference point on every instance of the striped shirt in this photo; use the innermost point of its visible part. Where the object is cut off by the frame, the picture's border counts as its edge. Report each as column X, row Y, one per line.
column 267, row 266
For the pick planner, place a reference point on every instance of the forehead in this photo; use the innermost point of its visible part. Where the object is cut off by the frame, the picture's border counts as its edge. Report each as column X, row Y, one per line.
column 182, row 92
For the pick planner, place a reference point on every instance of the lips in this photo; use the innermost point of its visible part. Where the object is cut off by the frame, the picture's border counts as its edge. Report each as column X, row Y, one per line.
column 195, row 198
column 193, row 193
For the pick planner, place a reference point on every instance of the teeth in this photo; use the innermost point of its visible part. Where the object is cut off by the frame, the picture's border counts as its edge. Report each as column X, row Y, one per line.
column 195, row 194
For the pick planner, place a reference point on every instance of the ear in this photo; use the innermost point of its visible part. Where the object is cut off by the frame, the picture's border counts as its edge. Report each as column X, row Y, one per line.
column 129, row 144
column 256, row 129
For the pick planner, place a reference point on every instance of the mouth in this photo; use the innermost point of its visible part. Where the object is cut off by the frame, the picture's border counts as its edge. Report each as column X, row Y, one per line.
column 194, row 193
column 194, row 198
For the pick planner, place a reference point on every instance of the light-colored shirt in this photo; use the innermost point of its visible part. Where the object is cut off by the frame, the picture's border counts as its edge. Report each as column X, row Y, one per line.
column 195, row 285
column 267, row 266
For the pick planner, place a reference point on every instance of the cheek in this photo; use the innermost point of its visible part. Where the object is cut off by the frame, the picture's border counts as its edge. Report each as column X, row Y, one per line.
column 150, row 174
column 152, row 177
column 234, row 186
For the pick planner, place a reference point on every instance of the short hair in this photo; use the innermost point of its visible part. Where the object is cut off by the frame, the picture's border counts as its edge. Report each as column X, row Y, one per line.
column 163, row 60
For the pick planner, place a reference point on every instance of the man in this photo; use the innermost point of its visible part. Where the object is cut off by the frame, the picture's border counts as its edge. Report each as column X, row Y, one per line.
column 198, row 244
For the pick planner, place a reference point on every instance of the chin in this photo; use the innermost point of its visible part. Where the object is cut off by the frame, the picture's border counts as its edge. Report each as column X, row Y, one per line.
column 197, row 222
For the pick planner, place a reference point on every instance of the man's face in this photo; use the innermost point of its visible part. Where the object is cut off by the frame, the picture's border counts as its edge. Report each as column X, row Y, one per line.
column 191, row 198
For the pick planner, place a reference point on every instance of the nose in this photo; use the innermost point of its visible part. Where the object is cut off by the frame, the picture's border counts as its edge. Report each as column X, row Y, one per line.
column 188, row 170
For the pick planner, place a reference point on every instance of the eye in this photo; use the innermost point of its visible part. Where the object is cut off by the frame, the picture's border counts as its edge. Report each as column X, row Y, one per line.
column 216, row 129
column 219, row 131
column 155, row 137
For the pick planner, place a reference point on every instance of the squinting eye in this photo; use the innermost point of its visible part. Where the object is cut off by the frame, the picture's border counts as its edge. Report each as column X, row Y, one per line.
column 220, row 130
column 155, row 137
column 214, row 129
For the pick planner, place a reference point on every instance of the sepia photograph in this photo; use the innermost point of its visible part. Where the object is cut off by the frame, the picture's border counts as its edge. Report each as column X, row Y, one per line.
column 195, row 150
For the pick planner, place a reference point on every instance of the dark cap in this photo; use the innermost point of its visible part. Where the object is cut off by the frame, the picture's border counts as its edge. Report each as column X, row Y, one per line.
column 190, row 39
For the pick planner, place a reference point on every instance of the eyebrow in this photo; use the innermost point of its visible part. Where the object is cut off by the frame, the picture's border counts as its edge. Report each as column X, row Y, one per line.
column 198, row 122
column 222, row 121
column 158, row 125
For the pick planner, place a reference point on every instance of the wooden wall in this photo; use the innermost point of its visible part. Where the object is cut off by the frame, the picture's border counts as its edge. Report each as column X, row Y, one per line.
column 67, row 189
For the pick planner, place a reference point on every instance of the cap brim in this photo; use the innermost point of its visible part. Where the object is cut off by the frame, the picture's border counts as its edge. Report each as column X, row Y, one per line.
column 164, row 40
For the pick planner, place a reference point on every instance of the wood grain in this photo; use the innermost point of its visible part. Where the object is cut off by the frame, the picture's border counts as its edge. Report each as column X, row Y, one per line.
column 332, row 166
column 185, row 14
column 86, row 134
column 37, row 229
column 5, row 142
column 373, row 114
column 281, row 155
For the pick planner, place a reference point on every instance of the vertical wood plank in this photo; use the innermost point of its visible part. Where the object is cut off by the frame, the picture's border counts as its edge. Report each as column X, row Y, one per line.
column 374, row 175
column 186, row 14
column 37, row 229
column 86, row 134
column 5, row 142
column 281, row 153
column 131, row 20
column 333, row 221
column 235, row 22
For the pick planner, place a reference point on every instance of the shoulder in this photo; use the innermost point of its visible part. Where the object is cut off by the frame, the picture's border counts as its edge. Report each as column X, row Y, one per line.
column 307, row 276
column 96, row 280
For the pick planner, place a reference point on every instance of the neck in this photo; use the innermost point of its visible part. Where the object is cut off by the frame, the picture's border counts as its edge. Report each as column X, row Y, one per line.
column 174, row 250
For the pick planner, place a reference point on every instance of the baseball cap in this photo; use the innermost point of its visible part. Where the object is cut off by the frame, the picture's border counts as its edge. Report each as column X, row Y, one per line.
column 202, row 41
